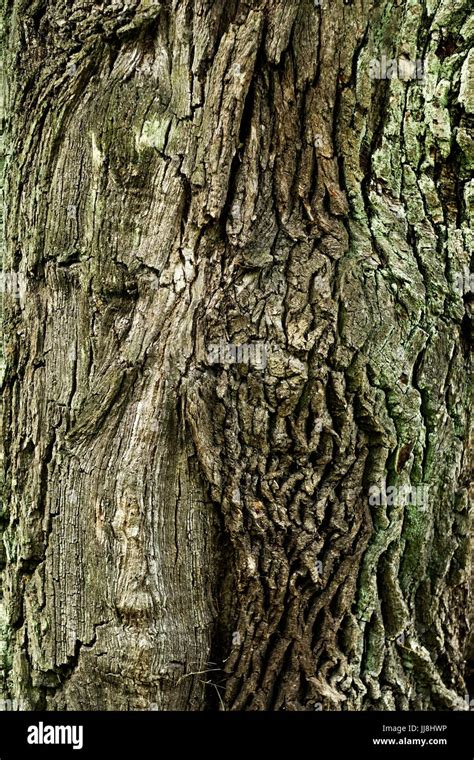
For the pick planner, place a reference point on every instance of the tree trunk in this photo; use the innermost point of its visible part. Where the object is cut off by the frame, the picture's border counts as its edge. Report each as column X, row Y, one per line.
column 190, row 530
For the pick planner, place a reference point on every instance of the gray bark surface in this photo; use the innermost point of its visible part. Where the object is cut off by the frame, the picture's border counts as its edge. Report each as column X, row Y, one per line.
column 198, row 536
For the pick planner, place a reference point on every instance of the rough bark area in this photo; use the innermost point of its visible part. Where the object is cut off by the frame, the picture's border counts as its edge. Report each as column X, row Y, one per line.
column 200, row 535
column 3, row 619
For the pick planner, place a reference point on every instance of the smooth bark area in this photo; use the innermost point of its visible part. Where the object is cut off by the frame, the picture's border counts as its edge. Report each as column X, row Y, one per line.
column 193, row 535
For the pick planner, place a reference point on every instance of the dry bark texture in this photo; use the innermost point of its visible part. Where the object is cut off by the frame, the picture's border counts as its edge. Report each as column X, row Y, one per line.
column 199, row 536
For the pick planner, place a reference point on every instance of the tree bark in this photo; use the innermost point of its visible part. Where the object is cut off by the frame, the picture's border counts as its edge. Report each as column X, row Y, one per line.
column 189, row 534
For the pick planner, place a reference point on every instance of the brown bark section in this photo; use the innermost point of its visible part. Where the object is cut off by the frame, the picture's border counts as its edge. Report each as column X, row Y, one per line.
column 194, row 535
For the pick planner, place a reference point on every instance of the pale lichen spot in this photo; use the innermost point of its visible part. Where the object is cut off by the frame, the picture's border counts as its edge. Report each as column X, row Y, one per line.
column 153, row 134
column 251, row 564
column 97, row 155
column 179, row 278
